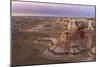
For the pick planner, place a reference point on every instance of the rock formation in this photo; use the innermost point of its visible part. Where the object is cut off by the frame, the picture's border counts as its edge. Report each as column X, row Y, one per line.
column 72, row 39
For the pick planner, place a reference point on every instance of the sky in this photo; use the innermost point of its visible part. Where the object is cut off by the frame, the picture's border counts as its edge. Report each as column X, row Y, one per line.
column 20, row 8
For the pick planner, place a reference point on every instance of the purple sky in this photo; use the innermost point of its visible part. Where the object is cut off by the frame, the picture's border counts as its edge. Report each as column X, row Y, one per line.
column 45, row 9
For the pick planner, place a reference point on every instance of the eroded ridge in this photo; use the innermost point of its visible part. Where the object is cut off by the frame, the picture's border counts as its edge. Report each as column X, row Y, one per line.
column 75, row 41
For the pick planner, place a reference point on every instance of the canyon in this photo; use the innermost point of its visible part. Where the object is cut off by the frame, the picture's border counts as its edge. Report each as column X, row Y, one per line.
column 53, row 39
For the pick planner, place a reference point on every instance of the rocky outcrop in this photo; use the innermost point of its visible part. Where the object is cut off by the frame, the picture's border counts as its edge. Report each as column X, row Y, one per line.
column 81, row 25
column 76, row 23
column 71, row 41
column 74, row 32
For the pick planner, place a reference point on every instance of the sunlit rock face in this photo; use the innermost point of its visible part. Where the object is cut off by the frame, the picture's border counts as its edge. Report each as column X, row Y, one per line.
column 68, row 43
column 81, row 25
column 75, row 39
